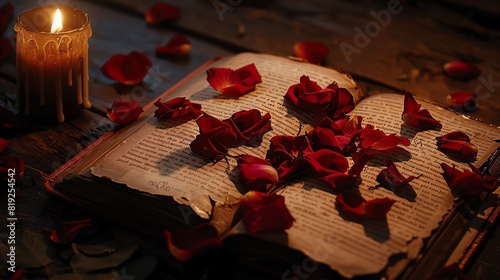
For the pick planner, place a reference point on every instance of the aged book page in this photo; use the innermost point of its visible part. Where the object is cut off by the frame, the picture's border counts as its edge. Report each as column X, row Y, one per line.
column 364, row 247
column 157, row 159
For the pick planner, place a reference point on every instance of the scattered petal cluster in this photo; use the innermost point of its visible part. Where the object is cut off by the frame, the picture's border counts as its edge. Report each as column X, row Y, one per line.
column 308, row 95
column 216, row 136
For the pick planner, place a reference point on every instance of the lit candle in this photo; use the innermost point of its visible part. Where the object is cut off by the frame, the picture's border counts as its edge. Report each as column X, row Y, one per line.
column 52, row 62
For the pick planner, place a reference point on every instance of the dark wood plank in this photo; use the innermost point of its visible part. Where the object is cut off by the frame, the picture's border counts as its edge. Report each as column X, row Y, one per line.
column 407, row 53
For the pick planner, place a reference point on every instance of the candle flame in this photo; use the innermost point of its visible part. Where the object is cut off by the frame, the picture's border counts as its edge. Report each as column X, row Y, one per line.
column 57, row 23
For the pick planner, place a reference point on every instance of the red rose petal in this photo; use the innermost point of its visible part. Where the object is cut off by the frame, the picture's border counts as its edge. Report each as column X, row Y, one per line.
column 269, row 214
column 284, row 148
column 66, row 232
column 10, row 163
column 177, row 108
column 3, row 144
column 313, row 52
column 342, row 102
column 162, row 12
column 127, row 69
column 351, row 203
column 325, row 162
column 413, row 116
column 340, row 181
column 343, row 181
column 6, row 12
column 462, row 101
column 456, row 144
column 308, row 94
column 463, row 182
column 391, row 178
column 250, row 125
column 353, row 125
column 251, row 199
column 377, row 140
column 234, row 84
column 461, row 70
column 124, row 111
column 215, row 138
column 354, row 205
column 179, row 45
column 5, row 48
column 454, row 135
column 256, row 173
column 378, row 208
column 187, row 244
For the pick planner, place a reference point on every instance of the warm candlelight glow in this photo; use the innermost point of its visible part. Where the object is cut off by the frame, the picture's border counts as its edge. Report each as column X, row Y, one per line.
column 57, row 23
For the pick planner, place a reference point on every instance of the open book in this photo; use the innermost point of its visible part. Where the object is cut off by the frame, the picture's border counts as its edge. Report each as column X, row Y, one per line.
column 147, row 176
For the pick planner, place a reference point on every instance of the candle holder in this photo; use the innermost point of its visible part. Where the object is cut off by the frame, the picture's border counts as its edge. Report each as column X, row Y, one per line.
column 52, row 66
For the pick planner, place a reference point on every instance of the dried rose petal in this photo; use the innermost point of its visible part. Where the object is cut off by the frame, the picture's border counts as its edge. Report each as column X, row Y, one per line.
column 391, row 178
column 179, row 45
column 413, row 116
column 234, row 84
column 124, row 111
column 353, row 204
column 66, row 232
column 461, row 70
column 6, row 12
column 3, row 144
column 127, row 69
column 313, row 52
column 256, row 173
column 377, row 140
column 189, row 243
column 10, row 163
column 5, row 48
column 457, row 144
column 177, row 108
column 464, row 182
column 269, row 214
column 162, row 12
column 462, row 101
column 250, row 125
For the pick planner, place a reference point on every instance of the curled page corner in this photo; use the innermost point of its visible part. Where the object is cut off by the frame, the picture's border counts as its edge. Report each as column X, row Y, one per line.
column 200, row 203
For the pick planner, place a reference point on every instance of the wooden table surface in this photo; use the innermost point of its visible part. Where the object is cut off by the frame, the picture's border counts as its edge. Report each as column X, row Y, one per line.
column 407, row 53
